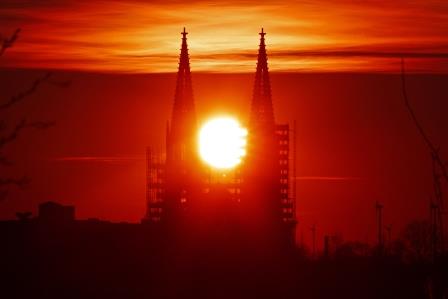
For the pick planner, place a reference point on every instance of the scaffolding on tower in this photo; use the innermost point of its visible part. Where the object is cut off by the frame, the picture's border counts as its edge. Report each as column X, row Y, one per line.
column 155, row 176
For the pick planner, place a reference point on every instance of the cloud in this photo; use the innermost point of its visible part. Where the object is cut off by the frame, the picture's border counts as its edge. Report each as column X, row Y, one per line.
column 328, row 178
column 142, row 36
column 100, row 159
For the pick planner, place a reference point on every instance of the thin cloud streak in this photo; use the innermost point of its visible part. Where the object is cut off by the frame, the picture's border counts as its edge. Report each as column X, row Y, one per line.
column 327, row 178
column 100, row 159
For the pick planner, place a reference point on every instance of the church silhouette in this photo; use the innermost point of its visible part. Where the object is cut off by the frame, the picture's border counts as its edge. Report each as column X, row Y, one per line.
column 260, row 193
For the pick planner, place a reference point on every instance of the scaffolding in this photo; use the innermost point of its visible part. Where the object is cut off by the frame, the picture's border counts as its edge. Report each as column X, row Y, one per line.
column 155, row 173
column 287, row 168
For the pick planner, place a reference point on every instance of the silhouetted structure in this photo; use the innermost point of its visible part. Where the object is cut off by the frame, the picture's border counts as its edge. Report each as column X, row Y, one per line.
column 326, row 246
column 388, row 229
column 313, row 232
column 439, row 170
column 261, row 186
column 436, row 242
column 437, row 209
column 379, row 221
column 172, row 179
column 181, row 181
column 267, row 197
column 101, row 259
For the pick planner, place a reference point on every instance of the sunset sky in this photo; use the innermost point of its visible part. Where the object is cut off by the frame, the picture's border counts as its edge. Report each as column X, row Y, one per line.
column 333, row 65
column 142, row 36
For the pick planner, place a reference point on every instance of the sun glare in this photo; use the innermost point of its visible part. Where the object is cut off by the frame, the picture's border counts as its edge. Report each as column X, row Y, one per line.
column 222, row 142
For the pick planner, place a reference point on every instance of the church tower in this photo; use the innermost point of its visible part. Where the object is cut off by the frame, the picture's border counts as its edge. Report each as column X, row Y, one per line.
column 267, row 200
column 183, row 117
column 264, row 203
column 181, row 158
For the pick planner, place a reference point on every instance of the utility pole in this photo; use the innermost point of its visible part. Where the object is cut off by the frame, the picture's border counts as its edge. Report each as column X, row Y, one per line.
column 437, row 207
column 379, row 219
column 326, row 246
column 388, row 229
column 313, row 231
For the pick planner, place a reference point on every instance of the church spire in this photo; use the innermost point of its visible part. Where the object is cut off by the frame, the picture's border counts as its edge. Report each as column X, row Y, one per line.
column 181, row 167
column 262, row 114
column 183, row 114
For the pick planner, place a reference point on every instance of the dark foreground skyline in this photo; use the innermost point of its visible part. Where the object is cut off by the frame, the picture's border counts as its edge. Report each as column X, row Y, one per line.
column 356, row 142
column 53, row 255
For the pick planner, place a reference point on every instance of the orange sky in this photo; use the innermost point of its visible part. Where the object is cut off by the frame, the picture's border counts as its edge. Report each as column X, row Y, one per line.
column 143, row 36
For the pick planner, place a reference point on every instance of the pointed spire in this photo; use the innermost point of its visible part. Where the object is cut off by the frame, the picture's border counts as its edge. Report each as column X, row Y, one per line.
column 183, row 114
column 262, row 114
column 182, row 128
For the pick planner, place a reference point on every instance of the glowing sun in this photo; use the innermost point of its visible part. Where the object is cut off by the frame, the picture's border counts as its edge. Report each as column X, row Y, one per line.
column 222, row 142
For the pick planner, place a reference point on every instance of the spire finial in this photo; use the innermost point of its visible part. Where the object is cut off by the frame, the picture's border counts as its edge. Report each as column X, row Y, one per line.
column 262, row 113
column 184, row 33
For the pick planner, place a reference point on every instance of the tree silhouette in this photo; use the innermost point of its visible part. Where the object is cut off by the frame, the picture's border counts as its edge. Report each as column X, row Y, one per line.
column 352, row 249
column 417, row 238
column 9, row 137
column 439, row 169
column 435, row 151
column 8, row 42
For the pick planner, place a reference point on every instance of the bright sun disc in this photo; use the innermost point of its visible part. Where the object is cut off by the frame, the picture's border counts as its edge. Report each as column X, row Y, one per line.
column 222, row 142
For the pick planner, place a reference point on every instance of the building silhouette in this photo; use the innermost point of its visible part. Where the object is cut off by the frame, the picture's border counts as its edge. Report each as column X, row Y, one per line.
column 172, row 179
column 268, row 195
column 261, row 185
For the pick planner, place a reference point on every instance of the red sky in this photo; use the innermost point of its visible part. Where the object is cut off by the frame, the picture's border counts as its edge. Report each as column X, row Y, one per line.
column 331, row 72
column 142, row 36
column 356, row 142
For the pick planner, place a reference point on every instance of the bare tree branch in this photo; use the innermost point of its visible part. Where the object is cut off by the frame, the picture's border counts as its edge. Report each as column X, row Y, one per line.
column 21, row 183
column 22, row 125
column 22, row 95
column 434, row 151
column 13, row 135
column 8, row 42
